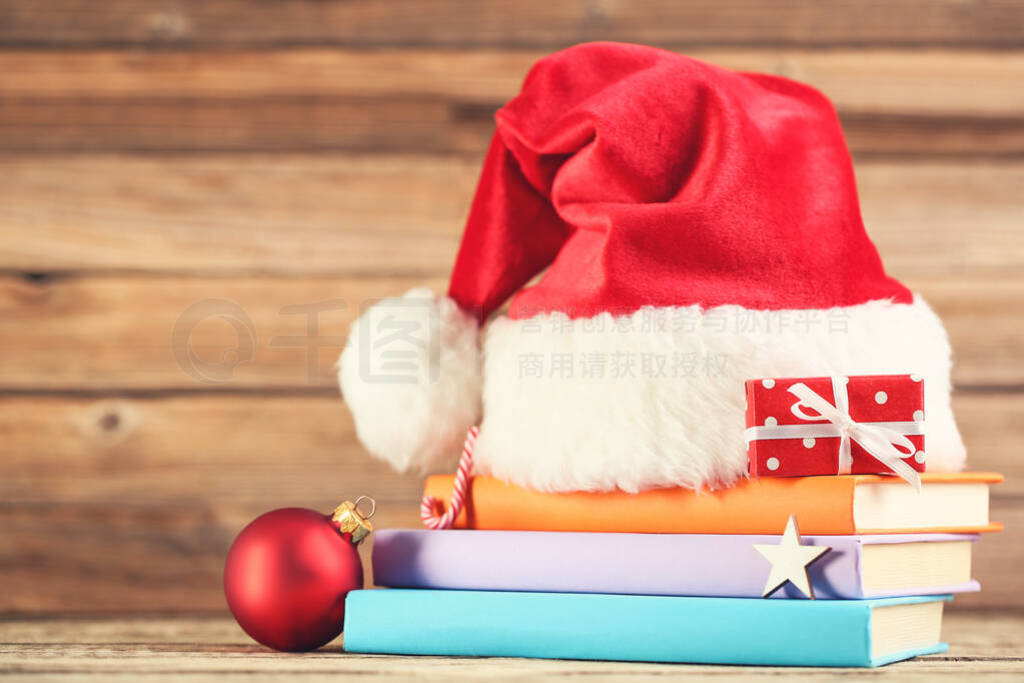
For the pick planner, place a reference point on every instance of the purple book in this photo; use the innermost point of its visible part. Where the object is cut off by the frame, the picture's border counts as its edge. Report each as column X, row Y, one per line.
column 708, row 565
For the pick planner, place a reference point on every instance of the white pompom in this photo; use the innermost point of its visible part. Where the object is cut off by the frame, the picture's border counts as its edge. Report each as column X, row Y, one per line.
column 411, row 376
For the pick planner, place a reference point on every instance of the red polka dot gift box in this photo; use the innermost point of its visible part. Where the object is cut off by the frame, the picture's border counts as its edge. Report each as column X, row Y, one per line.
column 859, row 424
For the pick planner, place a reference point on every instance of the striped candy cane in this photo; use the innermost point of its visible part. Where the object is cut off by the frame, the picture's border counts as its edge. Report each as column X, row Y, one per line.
column 429, row 503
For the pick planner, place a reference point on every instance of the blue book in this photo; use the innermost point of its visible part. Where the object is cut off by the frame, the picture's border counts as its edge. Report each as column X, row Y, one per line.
column 863, row 633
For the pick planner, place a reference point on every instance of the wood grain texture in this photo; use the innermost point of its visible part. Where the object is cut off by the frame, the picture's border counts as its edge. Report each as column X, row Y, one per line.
column 123, row 558
column 68, row 558
column 208, row 649
column 252, row 449
column 996, row 561
column 398, row 125
column 937, row 83
column 136, row 505
column 299, row 214
column 371, row 214
column 985, row 322
column 991, row 426
column 134, row 508
column 126, row 505
column 507, row 22
column 891, row 102
column 190, row 450
column 115, row 333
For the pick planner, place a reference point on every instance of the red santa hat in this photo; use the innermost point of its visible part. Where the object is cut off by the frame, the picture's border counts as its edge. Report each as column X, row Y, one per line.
column 695, row 227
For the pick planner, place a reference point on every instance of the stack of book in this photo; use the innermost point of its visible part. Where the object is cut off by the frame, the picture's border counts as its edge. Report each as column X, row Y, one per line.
column 673, row 575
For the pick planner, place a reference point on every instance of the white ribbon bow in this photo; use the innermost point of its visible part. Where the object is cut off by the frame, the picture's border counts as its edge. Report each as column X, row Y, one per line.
column 882, row 440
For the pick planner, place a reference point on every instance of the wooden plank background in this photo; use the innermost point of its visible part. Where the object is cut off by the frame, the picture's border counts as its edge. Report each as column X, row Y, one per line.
column 165, row 163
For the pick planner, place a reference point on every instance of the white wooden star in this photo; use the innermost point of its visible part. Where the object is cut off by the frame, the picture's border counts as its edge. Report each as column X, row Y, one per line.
column 789, row 561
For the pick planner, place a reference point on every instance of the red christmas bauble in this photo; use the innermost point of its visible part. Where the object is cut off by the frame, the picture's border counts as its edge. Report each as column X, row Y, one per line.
column 287, row 575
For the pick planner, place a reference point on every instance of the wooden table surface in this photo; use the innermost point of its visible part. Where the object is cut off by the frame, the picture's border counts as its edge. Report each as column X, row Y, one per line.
column 213, row 648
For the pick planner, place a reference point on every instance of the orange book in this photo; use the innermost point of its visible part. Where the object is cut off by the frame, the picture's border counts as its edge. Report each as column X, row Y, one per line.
column 844, row 504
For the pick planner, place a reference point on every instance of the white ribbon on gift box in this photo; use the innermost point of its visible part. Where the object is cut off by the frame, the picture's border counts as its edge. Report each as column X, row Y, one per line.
column 882, row 440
